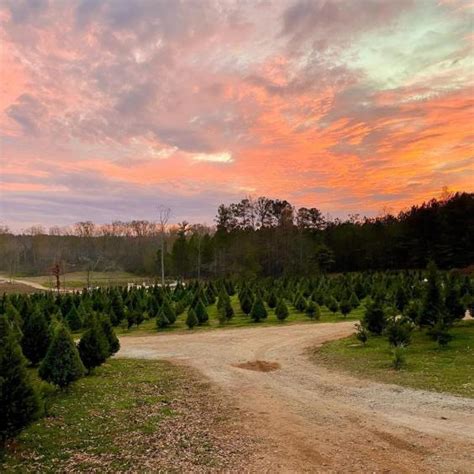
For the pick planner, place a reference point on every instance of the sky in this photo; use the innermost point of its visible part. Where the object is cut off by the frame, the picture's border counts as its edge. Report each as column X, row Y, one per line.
column 111, row 108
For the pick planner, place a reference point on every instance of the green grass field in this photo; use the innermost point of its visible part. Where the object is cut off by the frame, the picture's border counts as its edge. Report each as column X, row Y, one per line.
column 240, row 319
column 428, row 366
column 131, row 415
column 79, row 279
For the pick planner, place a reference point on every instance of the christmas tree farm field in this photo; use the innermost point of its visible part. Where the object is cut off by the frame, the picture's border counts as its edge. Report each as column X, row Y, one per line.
column 130, row 415
column 426, row 365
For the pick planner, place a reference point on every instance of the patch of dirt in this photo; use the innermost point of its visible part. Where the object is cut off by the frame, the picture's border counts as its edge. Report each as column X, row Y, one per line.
column 259, row 366
column 314, row 419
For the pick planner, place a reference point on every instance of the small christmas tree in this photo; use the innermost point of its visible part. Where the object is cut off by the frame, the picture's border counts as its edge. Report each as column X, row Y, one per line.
column 93, row 347
column 73, row 319
column 162, row 321
column 258, row 310
column 19, row 402
column 191, row 319
column 281, row 310
column 62, row 364
column 36, row 336
column 109, row 333
column 201, row 312
column 345, row 307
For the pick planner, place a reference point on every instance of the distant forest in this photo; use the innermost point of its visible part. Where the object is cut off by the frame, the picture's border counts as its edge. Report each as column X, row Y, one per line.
column 255, row 237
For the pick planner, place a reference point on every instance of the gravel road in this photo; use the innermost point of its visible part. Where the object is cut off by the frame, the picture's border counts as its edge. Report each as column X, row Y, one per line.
column 307, row 418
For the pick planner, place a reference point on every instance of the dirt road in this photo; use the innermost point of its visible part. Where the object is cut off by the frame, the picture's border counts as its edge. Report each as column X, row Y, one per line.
column 34, row 285
column 310, row 419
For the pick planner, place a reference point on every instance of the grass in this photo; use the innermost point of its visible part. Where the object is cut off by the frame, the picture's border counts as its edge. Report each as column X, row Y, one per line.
column 129, row 413
column 79, row 279
column 428, row 366
column 240, row 319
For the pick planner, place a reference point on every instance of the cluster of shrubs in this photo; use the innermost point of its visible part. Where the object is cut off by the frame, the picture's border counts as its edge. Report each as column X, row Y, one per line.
column 34, row 334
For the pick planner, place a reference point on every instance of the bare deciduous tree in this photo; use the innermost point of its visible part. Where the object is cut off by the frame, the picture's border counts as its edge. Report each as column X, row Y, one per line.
column 164, row 215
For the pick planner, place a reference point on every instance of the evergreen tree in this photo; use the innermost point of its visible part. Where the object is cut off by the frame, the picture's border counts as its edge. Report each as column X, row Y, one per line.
column 300, row 303
column 162, row 321
column 201, row 312
column 73, row 319
column 117, row 308
column 454, row 307
column 168, row 310
column 272, row 300
column 221, row 315
column 258, row 310
column 433, row 308
column 375, row 319
column 332, row 304
column 281, row 310
column 109, row 333
column 401, row 297
column 36, row 336
column 180, row 307
column 246, row 304
column 345, row 307
column 19, row 402
column 15, row 319
column 398, row 332
column 62, row 364
column 191, row 318
column 93, row 347
column 354, row 301
column 312, row 310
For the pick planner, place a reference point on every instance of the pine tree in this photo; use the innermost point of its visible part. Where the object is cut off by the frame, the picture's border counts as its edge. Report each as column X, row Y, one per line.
column 345, row 307
column 272, row 300
column 15, row 319
column 19, row 402
column 433, row 309
column 281, row 310
column 191, row 319
column 332, row 304
column 36, row 336
column 93, row 347
column 300, row 303
column 375, row 319
column 201, row 312
column 246, row 304
column 258, row 310
column 354, row 301
column 454, row 306
column 73, row 319
column 62, row 364
column 162, row 321
column 312, row 310
column 109, row 333
column 221, row 315
column 168, row 311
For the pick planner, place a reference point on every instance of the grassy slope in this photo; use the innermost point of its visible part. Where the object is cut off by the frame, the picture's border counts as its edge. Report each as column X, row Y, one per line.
column 129, row 415
column 240, row 320
column 449, row 369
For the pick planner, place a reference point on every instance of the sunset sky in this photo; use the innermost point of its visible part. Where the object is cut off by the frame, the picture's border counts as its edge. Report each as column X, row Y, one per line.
column 109, row 108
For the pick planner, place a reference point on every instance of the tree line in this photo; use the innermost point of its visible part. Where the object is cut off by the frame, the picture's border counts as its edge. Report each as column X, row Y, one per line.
column 255, row 237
